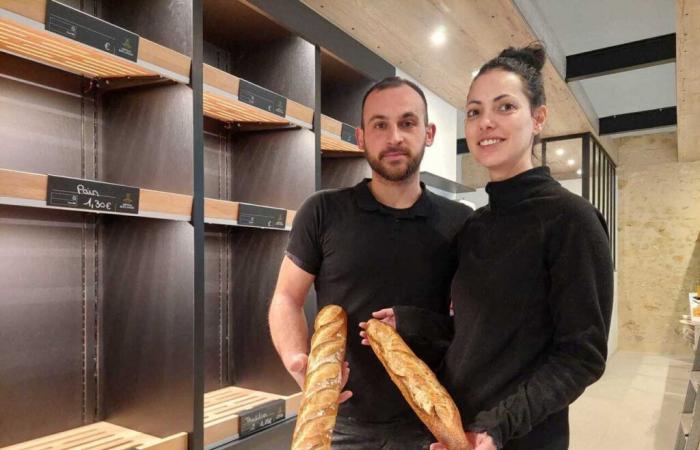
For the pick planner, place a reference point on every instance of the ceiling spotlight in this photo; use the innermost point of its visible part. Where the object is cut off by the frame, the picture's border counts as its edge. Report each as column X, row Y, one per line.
column 579, row 172
column 571, row 162
column 559, row 151
column 439, row 36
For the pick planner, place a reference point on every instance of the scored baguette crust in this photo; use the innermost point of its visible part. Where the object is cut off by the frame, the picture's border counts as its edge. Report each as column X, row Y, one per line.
column 419, row 386
column 319, row 404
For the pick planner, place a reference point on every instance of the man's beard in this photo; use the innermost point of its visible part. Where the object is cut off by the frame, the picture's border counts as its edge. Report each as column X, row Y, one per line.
column 401, row 173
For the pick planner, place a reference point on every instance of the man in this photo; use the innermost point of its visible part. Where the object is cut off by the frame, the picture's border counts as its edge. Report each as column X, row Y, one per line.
column 386, row 242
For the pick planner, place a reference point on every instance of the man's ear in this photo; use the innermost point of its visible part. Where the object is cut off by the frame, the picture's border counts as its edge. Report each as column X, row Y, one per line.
column 360, row 137
column 429, row 134
column 539, row 118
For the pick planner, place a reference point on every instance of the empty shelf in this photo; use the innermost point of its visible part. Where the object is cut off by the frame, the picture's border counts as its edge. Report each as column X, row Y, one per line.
column 103, row 436
column 331, row 142
column 22, row 34
column 221, row 102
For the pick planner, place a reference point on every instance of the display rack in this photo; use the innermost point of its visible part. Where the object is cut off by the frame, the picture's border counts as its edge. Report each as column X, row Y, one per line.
column 23, row 33
column 96, row 312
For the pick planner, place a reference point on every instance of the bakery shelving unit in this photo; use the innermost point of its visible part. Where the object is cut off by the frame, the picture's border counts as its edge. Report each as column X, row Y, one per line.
column 259, row 153
column 96, row 307
column 342, row 89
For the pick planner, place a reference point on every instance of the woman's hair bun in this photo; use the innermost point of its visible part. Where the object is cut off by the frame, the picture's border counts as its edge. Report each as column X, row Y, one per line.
column 533, row 55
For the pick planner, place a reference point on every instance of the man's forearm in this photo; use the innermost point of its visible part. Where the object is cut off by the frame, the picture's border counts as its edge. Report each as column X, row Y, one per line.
column 288, row 328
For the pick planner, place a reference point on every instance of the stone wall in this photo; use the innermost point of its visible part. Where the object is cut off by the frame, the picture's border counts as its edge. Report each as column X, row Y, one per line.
column 659, row 242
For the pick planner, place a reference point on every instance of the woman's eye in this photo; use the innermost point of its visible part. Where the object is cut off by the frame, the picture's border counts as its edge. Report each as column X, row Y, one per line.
column 506, row 107
column 472, row 113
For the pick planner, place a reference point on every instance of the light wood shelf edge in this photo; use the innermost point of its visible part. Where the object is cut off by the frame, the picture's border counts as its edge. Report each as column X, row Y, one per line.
column 102, row 436
column 225, row 210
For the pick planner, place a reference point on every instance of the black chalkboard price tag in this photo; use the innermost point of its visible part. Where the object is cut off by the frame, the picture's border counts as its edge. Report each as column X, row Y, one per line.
column 261, row 216
column 91, row 195
column 79, row 26
column 263, row 416
column 347, row 134
column 262, row 98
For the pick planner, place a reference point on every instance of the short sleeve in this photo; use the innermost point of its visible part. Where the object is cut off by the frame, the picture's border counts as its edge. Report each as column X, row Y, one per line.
column 304, row 247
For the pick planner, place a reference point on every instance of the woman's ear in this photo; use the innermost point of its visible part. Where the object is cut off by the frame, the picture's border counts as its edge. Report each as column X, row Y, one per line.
column 539, row 117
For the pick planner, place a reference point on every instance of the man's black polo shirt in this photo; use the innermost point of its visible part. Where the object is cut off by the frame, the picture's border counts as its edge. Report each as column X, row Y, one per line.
column 367, row 256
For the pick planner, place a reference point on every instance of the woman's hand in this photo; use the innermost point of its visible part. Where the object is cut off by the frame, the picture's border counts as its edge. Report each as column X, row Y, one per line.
column 479, row 441
column 385, row 315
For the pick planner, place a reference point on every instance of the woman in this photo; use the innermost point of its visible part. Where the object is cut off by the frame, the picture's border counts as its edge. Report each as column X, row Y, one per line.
column 533, row 290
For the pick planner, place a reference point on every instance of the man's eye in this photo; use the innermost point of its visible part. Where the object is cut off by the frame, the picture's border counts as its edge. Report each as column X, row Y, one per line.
column 408, row 124
column 379, row 125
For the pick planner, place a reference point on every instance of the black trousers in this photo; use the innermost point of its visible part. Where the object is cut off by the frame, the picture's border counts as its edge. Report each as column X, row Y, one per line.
column 351, row 434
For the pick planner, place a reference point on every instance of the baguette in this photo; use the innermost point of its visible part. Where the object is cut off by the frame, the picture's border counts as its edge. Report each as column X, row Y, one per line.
column 419, row 386
column 319, row 404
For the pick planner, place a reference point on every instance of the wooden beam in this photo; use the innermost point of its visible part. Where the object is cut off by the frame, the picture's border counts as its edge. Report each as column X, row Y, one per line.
column 688, row 79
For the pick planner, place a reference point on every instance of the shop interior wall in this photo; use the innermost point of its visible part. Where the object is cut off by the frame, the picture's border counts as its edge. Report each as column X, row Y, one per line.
column 441, row 157
column 659, row 250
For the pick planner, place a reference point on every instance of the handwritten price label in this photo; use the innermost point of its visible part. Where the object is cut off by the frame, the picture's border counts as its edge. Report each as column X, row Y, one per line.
column 91, row 195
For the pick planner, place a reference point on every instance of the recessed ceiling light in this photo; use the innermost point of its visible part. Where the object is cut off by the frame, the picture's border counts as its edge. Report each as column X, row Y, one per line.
column 559, row 151
column 571, row 162
column 579, row 172
column 439, row 36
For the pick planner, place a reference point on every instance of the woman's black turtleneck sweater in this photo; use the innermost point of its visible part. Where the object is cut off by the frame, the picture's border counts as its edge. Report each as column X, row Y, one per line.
column 532, row 298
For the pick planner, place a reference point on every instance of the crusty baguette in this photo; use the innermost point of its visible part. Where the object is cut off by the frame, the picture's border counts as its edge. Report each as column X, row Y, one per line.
column 319, row 404
column 419, row 386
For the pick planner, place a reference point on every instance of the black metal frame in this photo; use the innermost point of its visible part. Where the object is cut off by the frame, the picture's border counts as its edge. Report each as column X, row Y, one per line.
column 598, row 179
column 640, row 120
column 620, row 58
column 196, row 437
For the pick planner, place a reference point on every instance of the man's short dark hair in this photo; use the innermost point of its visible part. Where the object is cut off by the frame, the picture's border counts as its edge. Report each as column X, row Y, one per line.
column 393, row 82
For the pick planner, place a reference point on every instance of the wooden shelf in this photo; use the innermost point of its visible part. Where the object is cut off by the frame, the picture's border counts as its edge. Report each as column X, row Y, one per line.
column 29, row 189
column 223, row 407
column 223, row 212
column 221, row 103
column 331, row 143
column 22, row 34
column 103, row 436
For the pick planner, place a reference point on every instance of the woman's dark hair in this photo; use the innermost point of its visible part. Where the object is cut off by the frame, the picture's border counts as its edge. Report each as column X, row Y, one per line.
column 526, row 62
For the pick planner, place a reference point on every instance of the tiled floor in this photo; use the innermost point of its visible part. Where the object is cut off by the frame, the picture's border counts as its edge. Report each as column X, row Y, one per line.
column 635, row 405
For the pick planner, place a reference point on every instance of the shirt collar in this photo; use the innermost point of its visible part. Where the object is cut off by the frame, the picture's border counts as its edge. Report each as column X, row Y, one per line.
column 365, row 200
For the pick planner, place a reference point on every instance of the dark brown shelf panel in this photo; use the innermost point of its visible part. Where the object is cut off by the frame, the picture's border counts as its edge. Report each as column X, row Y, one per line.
column 331, row 143
column 104, row 436
column 221, row 103
column 22, row 34
column 222, row 409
